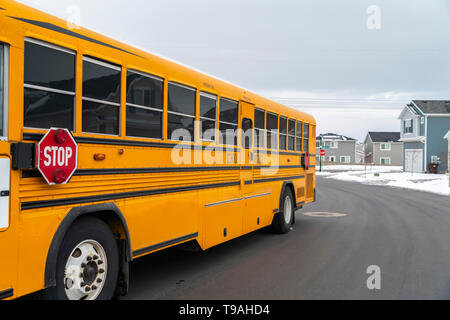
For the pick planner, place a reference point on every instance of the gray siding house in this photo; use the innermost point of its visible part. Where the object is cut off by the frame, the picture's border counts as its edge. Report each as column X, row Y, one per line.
column 383, row 148
column 423, row 126
column 340, row 149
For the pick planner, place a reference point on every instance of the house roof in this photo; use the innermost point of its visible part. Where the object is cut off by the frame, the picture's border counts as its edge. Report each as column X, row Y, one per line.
column 433, row 106
column 384, row 136
column 334, row 136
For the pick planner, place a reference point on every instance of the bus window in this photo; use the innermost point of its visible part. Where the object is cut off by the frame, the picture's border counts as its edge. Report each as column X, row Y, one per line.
column 291, row 135
column 283, row 133
column 181, row 118
column 306, row 138
column 247, row 133
column 101, row 96
column 272, row 130
column 1, row 88
column 208, row 116
column 144, row 105
column 259, row 128
column 228, row 121
column 299, row 135
column 49, row 86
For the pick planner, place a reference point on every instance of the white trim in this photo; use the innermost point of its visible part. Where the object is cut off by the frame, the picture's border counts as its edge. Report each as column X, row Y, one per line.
column 143, row 107
column 209, row 95
column 101, row 63
column 447, row 136
column 234, row 124
column 181, row 114
column 32, row 86
column 115, row 104
column 438, row 115
column 258, row 195
column 147, row 75
column 5, row 91
column 50, row 46
column 223, row 202
column 414, row 139
column 182, row 86
column 232, row 101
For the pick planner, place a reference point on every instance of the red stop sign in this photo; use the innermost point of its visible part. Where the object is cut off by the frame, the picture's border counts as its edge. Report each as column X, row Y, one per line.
column 57, row 156
column 322, row 152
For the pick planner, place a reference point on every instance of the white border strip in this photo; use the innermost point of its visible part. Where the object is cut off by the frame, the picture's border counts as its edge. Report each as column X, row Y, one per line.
column 101, row 63
column 223, row 202
column 50, row 45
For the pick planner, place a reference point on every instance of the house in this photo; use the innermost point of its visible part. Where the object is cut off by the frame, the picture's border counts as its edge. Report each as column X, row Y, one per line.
column 423, row 124
column 338, row 148
column 447, row 137
column 383, row 148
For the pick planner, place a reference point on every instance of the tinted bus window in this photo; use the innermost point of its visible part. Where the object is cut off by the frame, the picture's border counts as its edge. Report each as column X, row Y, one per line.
column 144, row 105
column 181, row 113
column 49, row 86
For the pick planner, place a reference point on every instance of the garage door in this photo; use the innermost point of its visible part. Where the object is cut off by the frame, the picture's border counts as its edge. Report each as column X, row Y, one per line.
column 414, row 160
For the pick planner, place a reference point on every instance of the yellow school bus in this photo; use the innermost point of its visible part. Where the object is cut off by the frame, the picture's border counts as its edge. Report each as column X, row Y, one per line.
column 166, row 156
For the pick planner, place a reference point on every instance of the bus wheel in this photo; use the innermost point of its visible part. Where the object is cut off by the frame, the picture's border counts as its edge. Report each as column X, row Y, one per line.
column 88, row 263
column 283, row 220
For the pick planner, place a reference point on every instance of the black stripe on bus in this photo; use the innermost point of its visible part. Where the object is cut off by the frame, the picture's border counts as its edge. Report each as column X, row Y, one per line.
column 2, row 9
column 133, row 194
column 6, row 293
column 133, row 143
column 123, row 195
column 98, row 172
column 165, row 244
column 52, row 27
column 277, row 179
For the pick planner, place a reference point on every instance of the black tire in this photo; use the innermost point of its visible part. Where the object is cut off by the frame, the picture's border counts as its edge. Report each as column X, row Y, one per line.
column 88, row 228
column 279, row 224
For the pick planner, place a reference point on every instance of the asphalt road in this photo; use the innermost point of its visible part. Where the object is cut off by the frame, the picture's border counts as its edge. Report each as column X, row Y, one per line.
column 405, row 233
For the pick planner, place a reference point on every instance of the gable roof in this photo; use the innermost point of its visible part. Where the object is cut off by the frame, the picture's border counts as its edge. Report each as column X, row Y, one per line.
column 384, row 136
column 334, row 136
column 433, row 106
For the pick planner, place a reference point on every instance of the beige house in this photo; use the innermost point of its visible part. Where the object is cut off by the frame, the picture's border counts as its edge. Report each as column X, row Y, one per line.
column 383, row 148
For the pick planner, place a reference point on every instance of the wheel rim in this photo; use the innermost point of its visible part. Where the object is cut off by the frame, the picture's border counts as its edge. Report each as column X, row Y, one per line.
column 287, row 210
column 85, row 271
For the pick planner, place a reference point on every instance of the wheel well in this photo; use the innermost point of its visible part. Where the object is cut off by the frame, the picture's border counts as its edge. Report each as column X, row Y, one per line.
column 109, row 213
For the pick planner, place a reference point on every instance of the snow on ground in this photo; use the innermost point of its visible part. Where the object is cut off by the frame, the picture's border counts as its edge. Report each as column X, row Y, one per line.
column 389, row 176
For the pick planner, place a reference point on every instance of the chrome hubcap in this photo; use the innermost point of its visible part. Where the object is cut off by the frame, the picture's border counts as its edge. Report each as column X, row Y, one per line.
column 287, row 210
column 85, row 272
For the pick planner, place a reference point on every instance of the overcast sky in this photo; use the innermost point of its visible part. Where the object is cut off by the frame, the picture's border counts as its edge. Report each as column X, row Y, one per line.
column 352, row 68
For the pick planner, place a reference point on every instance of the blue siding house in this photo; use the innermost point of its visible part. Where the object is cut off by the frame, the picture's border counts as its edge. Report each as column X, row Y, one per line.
column 424, row 123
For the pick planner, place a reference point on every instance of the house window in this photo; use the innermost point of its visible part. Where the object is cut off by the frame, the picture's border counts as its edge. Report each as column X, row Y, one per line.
column 408, row 126
column 181, row 112
column 208, row 116
column 332, row 158
column 49, row 86
column 228, row 121
column 385, row 147
column 144, row 105
column 345, row 159
column 333, row 144
column 101, row 96
column 260, row 131
column 385, row 161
